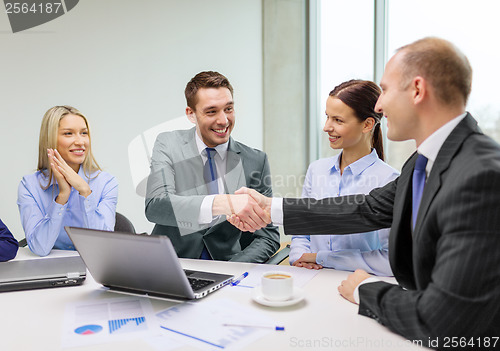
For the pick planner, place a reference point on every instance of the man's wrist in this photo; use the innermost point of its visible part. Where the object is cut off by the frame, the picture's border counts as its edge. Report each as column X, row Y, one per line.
column 220, row 206
column 355, row 294
column 206, row 216
column 277, row 211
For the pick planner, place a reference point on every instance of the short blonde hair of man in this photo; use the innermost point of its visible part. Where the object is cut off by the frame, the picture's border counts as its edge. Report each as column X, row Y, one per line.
column 48, row 140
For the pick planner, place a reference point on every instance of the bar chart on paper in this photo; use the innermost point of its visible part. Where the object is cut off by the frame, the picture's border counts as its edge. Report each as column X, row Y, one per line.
column 127, row 325
column 104, row 320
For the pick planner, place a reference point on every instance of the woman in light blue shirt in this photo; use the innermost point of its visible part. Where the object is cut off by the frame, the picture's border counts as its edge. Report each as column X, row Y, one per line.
column 353, row 126
column 69, row 188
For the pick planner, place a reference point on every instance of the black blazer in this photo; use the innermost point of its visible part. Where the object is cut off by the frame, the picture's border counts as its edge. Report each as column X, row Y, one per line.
column 450, row 266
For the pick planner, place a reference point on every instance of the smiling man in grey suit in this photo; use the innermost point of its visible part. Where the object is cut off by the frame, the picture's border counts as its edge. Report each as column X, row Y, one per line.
column 191, row 170
column 444, row 247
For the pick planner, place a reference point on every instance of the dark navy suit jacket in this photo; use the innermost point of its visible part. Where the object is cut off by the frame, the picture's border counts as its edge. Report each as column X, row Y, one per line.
column 8, row 245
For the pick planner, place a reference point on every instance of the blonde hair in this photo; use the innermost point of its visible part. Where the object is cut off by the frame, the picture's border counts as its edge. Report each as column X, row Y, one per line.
column 48, row 140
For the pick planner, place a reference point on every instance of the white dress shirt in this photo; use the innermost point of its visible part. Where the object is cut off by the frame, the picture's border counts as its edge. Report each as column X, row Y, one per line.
column 206, row 216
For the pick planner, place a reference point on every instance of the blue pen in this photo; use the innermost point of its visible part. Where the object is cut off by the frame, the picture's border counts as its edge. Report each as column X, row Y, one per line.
column 239, row 279
column 254, row 326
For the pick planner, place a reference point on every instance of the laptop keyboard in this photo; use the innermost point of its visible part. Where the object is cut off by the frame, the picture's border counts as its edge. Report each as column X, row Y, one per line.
column 198, row 284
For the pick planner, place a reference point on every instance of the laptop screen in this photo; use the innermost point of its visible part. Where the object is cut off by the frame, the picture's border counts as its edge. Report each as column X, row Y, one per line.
column 138, row 263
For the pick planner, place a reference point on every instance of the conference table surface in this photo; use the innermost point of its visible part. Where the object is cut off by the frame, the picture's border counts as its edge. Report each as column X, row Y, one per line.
column 33, row 320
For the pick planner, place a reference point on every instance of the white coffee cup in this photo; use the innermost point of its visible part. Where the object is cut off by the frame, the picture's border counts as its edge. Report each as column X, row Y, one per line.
column 277, row 285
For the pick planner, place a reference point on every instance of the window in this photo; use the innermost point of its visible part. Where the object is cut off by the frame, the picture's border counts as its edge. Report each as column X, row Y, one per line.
column 468, row 25
column 346, row 50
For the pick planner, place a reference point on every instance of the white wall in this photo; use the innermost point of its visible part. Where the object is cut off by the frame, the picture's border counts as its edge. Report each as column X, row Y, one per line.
column 123, row 63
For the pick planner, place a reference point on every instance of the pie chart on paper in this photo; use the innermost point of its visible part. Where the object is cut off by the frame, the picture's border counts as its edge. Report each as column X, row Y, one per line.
column 88, row 329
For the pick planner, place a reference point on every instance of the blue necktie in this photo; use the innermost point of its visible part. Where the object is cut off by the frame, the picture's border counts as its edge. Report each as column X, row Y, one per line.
column 210, row 176
column 210, row 172
column 418, row 183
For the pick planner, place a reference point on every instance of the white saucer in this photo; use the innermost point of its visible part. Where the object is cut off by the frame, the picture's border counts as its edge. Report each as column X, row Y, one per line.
column 298, row 295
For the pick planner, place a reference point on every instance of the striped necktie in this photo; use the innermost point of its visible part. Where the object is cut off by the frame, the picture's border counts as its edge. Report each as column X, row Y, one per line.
column 418, row 183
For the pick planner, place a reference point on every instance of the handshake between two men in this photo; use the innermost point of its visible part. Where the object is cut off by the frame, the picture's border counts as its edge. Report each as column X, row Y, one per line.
column 247, row 209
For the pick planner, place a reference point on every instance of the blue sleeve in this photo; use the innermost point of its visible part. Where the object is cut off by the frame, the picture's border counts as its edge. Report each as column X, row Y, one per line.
column 100, row 209
column 8, row 244
column 375, row 261
column 300, row 244
column 40, row 227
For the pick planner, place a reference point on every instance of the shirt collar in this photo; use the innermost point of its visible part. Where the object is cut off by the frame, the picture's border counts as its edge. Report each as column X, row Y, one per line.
column 336, row 163
column 221, row 148
column 430, row 147
column 358, row 166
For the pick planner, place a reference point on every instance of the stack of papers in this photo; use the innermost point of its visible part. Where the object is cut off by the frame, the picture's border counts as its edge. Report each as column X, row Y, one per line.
column 204, row 324
column 101, row 321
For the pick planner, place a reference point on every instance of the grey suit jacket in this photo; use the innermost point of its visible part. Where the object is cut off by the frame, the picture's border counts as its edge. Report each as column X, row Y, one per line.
column 449, row 266
column 176, row 189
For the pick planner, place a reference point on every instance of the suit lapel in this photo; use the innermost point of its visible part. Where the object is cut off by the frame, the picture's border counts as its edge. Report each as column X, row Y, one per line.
column 450, row 147
column 235, row 176
column 400, row 239
column 191, row 155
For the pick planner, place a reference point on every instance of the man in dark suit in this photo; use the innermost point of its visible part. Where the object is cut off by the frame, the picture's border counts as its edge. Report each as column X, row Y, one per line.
column 445, row 250
column 8, row 245
column 192, row 170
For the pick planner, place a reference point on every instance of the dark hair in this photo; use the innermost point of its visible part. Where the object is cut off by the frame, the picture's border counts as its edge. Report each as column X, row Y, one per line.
column 361, row 96
column 207, row 79
column 442, row 64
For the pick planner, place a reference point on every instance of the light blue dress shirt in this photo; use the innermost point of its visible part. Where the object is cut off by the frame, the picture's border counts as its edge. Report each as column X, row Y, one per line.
column 44, row 219
column 368, row 251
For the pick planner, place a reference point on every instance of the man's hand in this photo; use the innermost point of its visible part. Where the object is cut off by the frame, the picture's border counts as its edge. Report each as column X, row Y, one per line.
column 307, row 260
column 346, row 288
column 244, row 220
column 244, row 206
column 263, row 201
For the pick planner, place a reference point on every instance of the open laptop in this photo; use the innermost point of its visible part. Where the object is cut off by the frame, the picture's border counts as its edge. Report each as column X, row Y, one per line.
column 141, row 264
column 40, row 273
